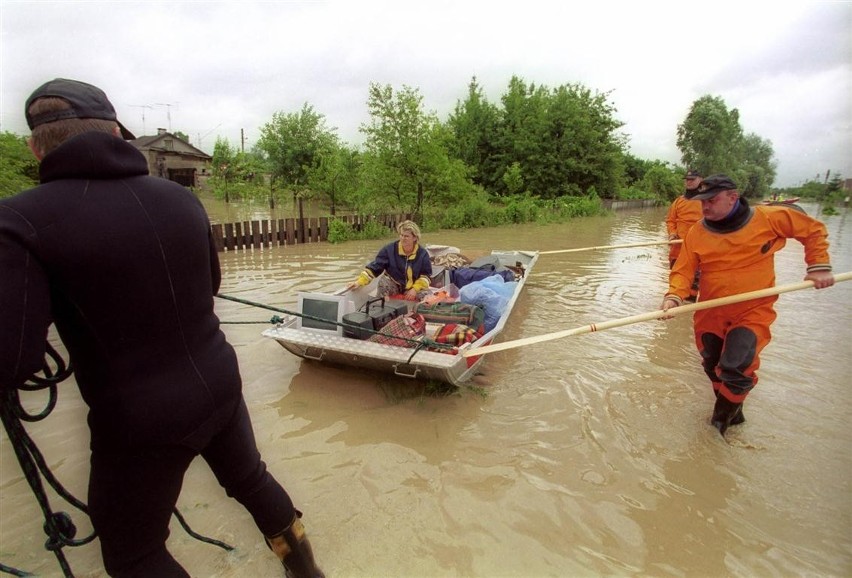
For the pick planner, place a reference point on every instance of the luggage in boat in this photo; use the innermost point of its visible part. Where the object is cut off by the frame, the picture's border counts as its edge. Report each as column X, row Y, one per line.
column 372, row 316
column 381, row 313
column 401, row 306
column 402, row 331
column 456, row 313
column 357, row 325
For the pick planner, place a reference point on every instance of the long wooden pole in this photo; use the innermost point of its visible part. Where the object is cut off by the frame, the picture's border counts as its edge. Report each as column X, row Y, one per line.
column 602, row 247
column 682, row 310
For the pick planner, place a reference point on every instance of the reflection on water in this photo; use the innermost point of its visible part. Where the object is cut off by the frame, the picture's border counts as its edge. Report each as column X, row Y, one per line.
column 589, row 455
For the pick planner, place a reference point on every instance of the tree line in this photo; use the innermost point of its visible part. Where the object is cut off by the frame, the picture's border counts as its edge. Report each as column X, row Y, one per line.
column 539, row 152
column 536, row 151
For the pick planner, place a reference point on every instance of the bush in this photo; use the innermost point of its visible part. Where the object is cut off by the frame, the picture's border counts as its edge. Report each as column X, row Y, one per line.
column 18, row 166
column 373, row 230
column 338, row 231
column 468, row 214
column 566, row 208
column 522, row 209
column 633, row 193
column 478, row 213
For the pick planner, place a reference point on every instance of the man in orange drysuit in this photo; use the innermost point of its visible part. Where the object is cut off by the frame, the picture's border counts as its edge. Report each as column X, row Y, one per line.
column 683, row 213
column 734, row 246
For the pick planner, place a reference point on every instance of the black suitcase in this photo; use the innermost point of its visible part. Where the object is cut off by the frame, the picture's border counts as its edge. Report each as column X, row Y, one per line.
column 380, row 313
column 401, row 306
column 373, row 315
column 357, row 325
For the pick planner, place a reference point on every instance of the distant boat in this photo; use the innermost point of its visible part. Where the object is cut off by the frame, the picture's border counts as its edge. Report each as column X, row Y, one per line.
column 787, row 201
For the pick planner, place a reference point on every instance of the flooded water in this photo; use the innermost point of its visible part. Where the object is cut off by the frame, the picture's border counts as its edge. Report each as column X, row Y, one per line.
column 590, row 455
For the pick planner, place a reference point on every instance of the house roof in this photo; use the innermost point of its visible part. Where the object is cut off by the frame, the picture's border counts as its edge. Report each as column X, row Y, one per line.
column 158, row 143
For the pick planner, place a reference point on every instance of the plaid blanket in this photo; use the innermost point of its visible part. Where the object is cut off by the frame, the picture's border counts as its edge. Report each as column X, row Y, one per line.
column 410, row 326
column 452, row 334
column 456, row 313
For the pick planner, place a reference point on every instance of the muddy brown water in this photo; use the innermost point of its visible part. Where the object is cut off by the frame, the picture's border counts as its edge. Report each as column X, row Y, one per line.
column 585, row 456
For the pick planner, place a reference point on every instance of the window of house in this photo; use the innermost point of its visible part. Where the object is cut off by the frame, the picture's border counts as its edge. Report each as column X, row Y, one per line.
column 169, row 144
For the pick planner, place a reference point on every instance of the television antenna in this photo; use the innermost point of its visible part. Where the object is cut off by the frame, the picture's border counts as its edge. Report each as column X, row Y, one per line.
column 168, row 106
column 143, row 107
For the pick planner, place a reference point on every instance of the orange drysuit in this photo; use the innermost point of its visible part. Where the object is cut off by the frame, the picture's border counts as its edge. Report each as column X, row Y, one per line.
column 736, row 258
column 683, row 213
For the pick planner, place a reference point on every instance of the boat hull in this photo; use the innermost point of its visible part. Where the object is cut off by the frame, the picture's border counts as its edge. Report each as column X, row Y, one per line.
column 407, row 362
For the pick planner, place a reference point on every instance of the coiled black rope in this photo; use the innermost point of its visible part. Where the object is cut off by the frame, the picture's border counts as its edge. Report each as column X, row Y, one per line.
column 58, row 526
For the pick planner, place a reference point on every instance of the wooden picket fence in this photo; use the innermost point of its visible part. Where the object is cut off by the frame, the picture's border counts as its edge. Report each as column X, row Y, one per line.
column 261, row 234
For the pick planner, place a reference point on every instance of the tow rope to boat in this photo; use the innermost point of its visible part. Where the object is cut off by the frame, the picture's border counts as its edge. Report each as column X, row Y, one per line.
column 418, row 344
column 58, row 526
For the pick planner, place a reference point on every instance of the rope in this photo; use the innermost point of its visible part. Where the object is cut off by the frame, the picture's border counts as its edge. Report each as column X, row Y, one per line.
column 58, row 526
column 198, row 536
column 417, row 344
column 273, row 321
column 13, row 571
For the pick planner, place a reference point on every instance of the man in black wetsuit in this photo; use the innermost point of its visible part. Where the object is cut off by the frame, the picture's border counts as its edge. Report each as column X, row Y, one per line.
column 124, row 266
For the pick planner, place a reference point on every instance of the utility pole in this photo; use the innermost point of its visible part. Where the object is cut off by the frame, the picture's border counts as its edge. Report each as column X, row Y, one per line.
column 242, row 141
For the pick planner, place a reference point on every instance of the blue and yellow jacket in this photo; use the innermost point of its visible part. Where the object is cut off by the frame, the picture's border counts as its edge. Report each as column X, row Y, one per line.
column 411, row 271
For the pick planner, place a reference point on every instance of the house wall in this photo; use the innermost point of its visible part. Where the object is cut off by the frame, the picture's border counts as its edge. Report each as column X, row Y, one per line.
column 172, row 158
column 168, row 165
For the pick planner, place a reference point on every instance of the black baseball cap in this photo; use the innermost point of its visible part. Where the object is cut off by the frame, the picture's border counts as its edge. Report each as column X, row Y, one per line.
column 692, row 174
column 710, row 187
column 86, row 101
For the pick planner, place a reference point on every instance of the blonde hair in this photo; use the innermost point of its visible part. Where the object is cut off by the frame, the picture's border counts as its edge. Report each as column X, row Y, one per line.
column 48, row 136
column 409, row 227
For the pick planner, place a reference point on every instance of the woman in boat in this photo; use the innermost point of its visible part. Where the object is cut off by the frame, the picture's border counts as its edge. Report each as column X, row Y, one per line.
column 405, row 264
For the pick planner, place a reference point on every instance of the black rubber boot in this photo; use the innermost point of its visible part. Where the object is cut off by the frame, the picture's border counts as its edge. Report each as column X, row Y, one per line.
column 295, row 552
column 739, row 417
column 725, row 412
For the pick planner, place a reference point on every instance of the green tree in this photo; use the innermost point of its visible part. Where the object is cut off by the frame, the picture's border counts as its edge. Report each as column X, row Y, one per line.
column 18, row 165
column 336, row 177
column 223, row 157
column 663, row 181
column 834, row 192
column 238, row 174
column 710, row 137
column 711, row 140
column 522, row 122
column 475, row 126
column 406, row 159
column 559, row 142
column 756, row 171
column 294, row 143
column 635, row 168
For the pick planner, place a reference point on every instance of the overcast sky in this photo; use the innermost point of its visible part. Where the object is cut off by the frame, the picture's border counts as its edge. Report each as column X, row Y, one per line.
column 210, row 69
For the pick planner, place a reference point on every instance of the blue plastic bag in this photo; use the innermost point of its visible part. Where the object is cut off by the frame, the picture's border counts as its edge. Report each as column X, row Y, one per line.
column 490, row 301
column 500, row 285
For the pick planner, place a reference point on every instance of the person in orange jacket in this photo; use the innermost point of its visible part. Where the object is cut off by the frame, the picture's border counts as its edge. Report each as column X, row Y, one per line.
column 734, row 246
column 683, row 213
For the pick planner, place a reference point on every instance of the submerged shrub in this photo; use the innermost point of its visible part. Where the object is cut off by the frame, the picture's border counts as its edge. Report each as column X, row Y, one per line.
column 339, row 231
